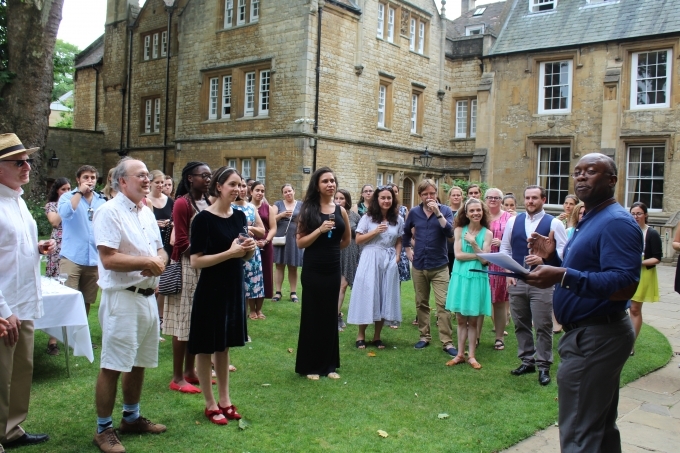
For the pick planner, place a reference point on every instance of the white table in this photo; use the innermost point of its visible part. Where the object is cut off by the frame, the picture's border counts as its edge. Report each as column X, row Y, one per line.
column 65, row 319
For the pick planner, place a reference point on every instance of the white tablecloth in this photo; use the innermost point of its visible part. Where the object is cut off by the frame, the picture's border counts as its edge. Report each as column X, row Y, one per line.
column 65, row 307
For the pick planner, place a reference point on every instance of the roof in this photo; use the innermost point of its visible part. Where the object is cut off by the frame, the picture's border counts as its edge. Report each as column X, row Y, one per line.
column 575, row 22
column 92, row 55
column 59, row 106
column 350, row 5
column 492, row 18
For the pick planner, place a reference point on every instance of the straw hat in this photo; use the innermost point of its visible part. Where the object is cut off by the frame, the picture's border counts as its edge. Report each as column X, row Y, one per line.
column 11, row 145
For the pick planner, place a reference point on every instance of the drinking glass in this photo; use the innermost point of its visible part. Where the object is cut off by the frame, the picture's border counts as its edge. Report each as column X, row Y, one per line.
column 242, row 237
column 62, row 277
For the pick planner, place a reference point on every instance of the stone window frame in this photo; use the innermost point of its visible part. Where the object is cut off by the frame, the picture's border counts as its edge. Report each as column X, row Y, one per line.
column 417, row 91
column 470, row 119
column 249, row 10
column 154, row 50
column 471, row 29
column 541, row 88
column 150, row 116
column 238, row 75
column 385, row 80
column 396, row 32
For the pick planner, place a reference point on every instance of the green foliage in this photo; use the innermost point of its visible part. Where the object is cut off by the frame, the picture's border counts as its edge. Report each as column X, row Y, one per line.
column 464, row 184
column 66, row 120
column 6, row 75
column 64, row 62
column 37, row 210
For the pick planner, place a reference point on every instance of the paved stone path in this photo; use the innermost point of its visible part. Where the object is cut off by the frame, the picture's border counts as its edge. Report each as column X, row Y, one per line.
column 649, row 408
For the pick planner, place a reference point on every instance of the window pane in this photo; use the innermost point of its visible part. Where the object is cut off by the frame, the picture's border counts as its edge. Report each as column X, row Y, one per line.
column 264, row 92
column 555, row 89
column 250, row 94
column 644, row 180
column 553, row 172
column 651, row 78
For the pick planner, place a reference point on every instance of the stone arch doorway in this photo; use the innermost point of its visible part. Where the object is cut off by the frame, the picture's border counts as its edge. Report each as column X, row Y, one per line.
column 407, row 195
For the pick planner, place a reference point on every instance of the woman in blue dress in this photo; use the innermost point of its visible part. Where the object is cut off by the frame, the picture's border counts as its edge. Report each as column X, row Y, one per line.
column 469, row 294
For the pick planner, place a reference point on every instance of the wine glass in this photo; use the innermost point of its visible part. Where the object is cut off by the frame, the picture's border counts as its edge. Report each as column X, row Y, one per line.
column 63, row 276
column 331, row 217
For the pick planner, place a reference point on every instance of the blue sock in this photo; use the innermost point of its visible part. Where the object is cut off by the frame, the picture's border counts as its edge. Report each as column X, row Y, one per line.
column 130, row 412
column 104, row 423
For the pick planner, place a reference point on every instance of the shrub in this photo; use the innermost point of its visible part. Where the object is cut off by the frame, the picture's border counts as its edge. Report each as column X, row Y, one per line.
column 463, row 184
column 37, row 209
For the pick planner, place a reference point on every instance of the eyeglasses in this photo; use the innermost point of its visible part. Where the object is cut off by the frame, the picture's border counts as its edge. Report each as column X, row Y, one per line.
column 19, row 162
column 379, row 188
column 493, row 198
column 141, row 176
column 368, row 191
column 589, row 173
column 203, row 175
column 637, row 214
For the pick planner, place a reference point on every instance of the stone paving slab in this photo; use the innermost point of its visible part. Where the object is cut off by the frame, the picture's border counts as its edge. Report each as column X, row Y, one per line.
column 649, row 408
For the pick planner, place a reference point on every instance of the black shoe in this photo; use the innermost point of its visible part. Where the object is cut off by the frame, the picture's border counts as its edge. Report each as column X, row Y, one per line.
column 27, row 439
column 421, row 344
column 523, row 369
column 451, row 351
column 543, row 377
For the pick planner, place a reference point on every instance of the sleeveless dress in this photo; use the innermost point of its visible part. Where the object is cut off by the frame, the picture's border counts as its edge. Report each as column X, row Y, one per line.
column 499, row 288
column 318, row 349
column 267, row 254
column 349, row 256
column 252, row 275
column 404, row 264
column 469, row 292
column 375, row 295
column 218, row 316
column 648, row 288
column 52, row 267
column 163, row 214
column 289, row 254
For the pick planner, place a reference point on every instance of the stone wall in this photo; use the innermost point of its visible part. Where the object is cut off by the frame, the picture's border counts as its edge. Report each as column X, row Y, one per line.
column 84, row 99
column 74, row 147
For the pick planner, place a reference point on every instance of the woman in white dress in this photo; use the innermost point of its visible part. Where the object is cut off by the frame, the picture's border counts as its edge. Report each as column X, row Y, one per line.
column 375, row 295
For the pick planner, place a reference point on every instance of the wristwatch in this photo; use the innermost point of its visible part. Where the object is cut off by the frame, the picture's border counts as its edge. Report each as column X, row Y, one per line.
column 440, row 216
column 77, row 191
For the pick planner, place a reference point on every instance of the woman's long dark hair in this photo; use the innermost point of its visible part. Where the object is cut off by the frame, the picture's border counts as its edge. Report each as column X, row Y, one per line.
column 310, row 212
column 462, row 218
column 184, row 186
column 374, row 211
column 56, row 185
column 348, row 199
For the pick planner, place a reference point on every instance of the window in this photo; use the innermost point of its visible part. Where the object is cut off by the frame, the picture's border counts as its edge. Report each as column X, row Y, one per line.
column 214, row 84
column 651, row 79
column 555, row 87
column 157, row 115
column 151, row 114
column 147, row 47
column 537, row 6
column 644, row 178
column 228, row 13
column 261, row 170
column 231, row 163
column 382, row 99
column 461, row 119
column 473, row 118
column 147, row 116
column 421, row 39
column 254, row 10
column 250, row 94
column 596, row 2
column 474, row 30
column 381, row 19
column 226, row 96
column 379, row 179
column 164, row 44
column 155, row 45
column 414, row 113
column 553, row 172
column 245, row 168
column 389, row 178
column 264, row 92
column 390, row 24
column 412, row 35
column 479, row 11
column 241, row 12
column 466, row 118
column 417, row 109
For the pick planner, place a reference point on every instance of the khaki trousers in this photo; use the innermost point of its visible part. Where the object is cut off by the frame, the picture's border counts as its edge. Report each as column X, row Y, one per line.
column 16, row 374
column 439, row 279
column 81, row 278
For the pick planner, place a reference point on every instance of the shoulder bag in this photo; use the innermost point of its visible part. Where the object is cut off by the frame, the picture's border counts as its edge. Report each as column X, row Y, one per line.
column 280, row 241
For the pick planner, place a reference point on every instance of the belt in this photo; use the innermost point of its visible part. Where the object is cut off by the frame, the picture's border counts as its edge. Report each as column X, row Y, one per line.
column 143, row 291
column 596, row 321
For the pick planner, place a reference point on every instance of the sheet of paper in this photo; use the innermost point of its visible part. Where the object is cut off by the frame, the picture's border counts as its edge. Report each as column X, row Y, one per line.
column 504, row 261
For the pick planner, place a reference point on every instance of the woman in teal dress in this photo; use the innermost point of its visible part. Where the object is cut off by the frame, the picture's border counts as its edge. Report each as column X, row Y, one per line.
column 469, row 294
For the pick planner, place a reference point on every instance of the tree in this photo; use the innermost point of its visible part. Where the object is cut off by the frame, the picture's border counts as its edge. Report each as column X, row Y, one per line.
column 31, row 32
column 64, row 61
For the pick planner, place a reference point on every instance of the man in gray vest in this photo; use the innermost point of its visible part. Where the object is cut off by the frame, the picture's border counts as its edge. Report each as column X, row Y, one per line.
column 530, row 305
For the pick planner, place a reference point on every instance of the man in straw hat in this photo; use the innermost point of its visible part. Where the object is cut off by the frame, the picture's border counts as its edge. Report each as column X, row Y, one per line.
column 20, row 296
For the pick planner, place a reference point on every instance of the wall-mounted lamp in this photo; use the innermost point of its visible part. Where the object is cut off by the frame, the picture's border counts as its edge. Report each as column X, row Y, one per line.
column 425, row 159
column 54, row 160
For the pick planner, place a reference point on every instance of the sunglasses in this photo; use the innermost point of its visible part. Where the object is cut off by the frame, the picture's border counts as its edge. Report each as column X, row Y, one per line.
column 19, row 162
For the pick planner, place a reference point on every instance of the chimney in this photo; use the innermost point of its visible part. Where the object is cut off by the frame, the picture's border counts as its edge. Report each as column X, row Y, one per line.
column 467, row 5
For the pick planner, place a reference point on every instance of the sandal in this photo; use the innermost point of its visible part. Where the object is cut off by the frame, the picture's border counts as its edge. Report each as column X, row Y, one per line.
column 277, row 297
column 333, row 375
column 216, row 413
column 360, row 344
column 294, row 297
column 232, row 368
column 499, row 345
column 378, row 344
column 415, row 322
column 313, row 377
column 474, row 364
column 53, row 349
column 253, row 316
column 457, row 360
column 230, row 412
column 261, row 316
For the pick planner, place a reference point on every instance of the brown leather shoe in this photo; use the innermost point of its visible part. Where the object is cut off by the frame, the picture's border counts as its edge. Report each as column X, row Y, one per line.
column 108, row 442
column 140, row 426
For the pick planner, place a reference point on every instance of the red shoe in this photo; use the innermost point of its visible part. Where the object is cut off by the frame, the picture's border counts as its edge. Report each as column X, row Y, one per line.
column 184, row 388
column 230, row 412
column 194, row 381
column 212, row 414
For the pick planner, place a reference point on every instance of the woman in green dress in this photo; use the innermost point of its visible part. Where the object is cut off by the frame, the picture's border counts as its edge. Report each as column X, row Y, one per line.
column 469, row 294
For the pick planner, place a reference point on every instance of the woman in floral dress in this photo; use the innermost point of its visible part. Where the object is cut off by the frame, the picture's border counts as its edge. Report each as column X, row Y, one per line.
column 252, row 268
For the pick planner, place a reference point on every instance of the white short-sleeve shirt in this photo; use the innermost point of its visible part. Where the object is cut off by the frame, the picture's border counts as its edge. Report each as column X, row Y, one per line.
column 122, row 225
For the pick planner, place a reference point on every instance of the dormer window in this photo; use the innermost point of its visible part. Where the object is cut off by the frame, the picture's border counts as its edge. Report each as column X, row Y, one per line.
column 474, row 30
column 479, row 11
column 539, row 6
column 597, row 2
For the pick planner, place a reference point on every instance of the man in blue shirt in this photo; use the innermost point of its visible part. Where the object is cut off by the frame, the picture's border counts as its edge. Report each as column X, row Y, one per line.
column 78, row 251
column 433, row 225
column 599, row 274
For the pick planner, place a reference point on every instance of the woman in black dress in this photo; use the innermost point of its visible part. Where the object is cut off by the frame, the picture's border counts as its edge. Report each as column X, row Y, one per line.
column 218, row 317
column 318, row 352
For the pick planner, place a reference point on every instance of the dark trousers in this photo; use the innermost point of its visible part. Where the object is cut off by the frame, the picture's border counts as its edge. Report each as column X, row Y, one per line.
column 588, row 381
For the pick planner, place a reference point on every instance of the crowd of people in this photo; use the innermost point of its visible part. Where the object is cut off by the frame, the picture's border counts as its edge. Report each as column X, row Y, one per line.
column 197, row 262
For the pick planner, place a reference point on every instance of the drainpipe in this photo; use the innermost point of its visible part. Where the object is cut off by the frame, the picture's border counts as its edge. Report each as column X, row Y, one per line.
column 129, row 89
column 170, row 10
column 318, row 77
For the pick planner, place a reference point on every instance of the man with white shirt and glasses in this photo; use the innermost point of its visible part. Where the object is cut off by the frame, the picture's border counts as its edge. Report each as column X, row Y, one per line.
column 20, row 295
column 131, row 258
column 78, row 252
column 531, row 307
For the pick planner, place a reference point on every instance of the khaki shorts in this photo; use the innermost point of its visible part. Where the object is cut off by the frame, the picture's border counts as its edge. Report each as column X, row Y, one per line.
column 81, row 278
column 129, row 330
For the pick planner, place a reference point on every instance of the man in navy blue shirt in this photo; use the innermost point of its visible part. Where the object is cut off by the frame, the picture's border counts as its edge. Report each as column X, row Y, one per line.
column 599, row 274
column 433, row 225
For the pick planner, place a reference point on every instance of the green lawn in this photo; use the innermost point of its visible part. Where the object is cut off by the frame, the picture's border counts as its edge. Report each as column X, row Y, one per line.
column 400, row 391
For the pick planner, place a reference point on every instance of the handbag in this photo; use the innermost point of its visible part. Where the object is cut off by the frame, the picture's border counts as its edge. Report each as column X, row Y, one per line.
column 280, row 241
column 171, row 279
